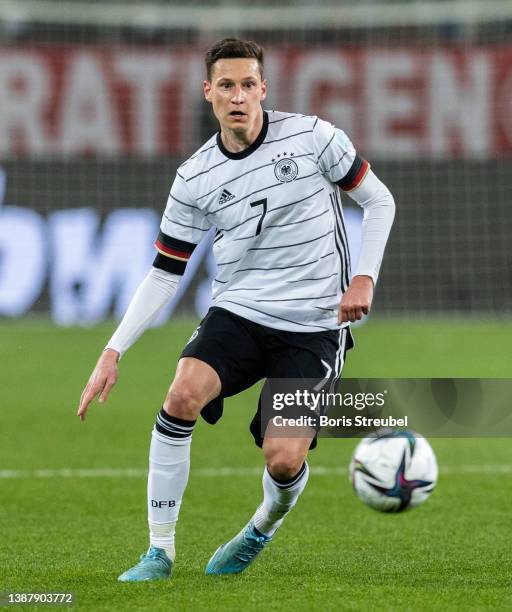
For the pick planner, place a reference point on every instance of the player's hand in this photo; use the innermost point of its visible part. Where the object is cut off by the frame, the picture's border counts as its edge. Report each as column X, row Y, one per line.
column 103, row 378
column 357, row 299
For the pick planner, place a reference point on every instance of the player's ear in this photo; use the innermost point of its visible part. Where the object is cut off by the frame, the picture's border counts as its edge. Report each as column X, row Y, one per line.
column 207, row 89
column 263, row 89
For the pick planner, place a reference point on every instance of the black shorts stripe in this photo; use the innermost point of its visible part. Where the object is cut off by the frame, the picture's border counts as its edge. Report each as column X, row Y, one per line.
column 340, row 357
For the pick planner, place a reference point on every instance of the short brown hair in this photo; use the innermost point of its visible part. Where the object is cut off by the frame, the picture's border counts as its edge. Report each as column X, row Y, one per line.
column 231, row 48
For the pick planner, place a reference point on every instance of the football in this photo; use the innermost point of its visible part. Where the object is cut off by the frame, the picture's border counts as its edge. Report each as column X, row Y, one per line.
column 393, row 470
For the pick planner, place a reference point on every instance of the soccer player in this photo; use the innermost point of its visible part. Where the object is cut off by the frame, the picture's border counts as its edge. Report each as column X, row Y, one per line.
column 283, row 297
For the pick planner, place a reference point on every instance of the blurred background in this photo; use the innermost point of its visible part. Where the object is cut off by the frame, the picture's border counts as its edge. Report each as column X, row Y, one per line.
column 101, row 101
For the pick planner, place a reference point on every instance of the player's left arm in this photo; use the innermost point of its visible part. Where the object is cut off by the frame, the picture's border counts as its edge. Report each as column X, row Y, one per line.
column 339, row 162
column 379, row 211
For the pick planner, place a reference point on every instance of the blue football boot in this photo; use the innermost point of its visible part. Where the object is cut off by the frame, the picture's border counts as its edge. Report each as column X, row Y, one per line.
column 153, row 565
column 234, row 556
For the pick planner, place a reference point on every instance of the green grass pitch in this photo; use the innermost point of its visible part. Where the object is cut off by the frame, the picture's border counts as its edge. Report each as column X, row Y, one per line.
column 77, row 533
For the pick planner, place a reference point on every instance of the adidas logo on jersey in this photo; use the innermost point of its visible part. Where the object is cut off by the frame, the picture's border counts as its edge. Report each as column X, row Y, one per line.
column 225, row 196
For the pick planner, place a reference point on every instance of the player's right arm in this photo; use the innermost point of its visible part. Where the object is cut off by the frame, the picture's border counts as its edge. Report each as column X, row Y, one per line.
column 181, row 218
column 151, row 296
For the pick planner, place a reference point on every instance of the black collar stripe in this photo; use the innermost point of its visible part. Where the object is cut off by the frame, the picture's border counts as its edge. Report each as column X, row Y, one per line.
column 251, row 148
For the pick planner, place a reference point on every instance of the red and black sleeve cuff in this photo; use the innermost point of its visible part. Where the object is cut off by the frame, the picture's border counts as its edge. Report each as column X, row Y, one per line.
column 173, row 254
column 355, row 175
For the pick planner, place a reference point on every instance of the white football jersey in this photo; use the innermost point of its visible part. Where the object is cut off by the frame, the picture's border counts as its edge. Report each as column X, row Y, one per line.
column 281, row 246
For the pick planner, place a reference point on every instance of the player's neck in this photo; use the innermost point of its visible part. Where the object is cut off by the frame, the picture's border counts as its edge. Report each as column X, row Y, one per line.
column 238, row 140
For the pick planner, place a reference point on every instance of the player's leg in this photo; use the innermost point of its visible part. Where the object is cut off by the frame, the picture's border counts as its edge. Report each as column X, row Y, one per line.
column 299, row 356
column 316, row 357
column 284, row 478
column 221, row 357
column 196, row 383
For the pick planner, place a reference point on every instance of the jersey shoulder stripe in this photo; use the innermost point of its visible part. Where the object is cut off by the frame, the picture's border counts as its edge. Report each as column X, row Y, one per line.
column 284, row 126
column 356, row 175
column 278, row 117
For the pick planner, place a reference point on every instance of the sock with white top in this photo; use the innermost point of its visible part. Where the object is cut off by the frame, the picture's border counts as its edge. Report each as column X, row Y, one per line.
column 279, row 497
column 169, row 466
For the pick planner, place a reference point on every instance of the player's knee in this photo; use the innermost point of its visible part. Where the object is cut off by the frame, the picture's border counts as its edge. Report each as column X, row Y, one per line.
column 284, row 466
column 183, row 402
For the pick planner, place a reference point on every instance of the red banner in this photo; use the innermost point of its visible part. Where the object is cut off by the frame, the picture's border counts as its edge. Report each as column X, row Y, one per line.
column 394, row 103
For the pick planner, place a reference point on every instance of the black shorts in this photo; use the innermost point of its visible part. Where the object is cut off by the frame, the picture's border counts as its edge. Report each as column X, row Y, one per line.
column 243, row 352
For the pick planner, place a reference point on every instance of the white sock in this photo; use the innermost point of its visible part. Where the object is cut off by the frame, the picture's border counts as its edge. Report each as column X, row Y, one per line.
column 161, row 535
column 278, row 499
column 169, row 466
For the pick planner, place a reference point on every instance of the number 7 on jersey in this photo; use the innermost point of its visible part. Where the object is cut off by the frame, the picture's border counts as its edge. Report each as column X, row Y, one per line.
column 260, row 222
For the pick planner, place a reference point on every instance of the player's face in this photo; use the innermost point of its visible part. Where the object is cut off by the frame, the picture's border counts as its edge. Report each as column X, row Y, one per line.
column 235, row 91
